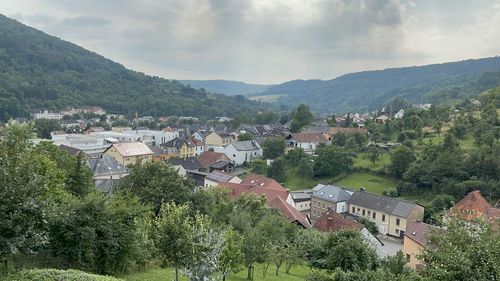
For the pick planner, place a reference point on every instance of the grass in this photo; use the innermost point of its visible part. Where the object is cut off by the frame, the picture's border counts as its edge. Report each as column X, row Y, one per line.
column 372, row 183
column 297, row 273
column 268, row 98
column 294, row 182
column 381, row 164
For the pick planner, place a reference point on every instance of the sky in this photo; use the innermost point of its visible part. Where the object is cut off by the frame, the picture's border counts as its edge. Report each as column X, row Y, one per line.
column 268, row 41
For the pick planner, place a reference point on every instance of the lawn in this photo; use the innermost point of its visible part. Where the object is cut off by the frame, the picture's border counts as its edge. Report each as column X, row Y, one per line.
column 372, row 183
column 297, row 273
column 361, row 162
column 294, row 182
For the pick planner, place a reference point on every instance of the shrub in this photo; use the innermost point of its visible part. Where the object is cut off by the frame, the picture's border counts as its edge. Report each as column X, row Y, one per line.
column 56, row 275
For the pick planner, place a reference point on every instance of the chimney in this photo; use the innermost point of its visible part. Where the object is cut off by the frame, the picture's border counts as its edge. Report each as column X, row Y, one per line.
column 329, row 222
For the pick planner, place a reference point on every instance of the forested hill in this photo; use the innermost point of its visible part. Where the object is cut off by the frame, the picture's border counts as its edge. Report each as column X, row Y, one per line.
column 226, row 87
column 369, row 90
column 38, row 71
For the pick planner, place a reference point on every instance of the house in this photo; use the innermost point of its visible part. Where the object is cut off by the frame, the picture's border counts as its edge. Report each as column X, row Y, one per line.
column 211, row 161
column 324, row 197
column 184, row 165
column 95, row 129
column 475, row 102
column 382, row 119
column 218, row 139
column 161, row 153
column 332, row 221
column 243, row 151
column 414, row 241
column 474, row 207
column 302, row 200
column 215, row 177
column 186, row 147
column 47, row 115
column 307, row 141
column 130, row 153
column 73, row 151
column 107, row 186
column 277, row 197
column 400, row 114
column 391, row 215
column 106, row 167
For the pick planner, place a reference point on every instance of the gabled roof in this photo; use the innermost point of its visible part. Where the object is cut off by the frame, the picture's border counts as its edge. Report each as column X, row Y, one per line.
column 180, row 141
column 331, row 193
column 418, row 232
column 132, row 149
column 289, row 212
column 332, row 221
column 347, row 131
column 474, row 206
column 221, row 164
column 188, row 163
column 208, row 158
column 105, row 165
column 308, row 137
column 71, row 150
column 381, row 203
column 245, row 145
column 261, row 181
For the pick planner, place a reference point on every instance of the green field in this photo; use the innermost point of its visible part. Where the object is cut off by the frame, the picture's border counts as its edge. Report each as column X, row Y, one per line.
column 380, row 165
column 372, row 183
column 297, row 273
column 269, row 98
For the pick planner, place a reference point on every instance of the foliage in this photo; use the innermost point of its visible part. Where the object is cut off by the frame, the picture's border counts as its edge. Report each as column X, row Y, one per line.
column 462, row 252
column 44, row 127
column 373, row 154
column 245, row 137
column 371, row 226
column 273, row 148
column 401, row 158
column 294, row 156
column 305, row 169
column 56, row 275
column 332, row 160
column 277, row 170
column 157, row 183
column 301, row 118
column 259, row 166
column 42, row 72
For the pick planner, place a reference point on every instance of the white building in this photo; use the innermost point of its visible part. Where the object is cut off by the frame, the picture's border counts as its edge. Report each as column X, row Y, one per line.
column 399, row 114
column 307, row 141
column 149, row 137
column 243, row 151
column 48, row 115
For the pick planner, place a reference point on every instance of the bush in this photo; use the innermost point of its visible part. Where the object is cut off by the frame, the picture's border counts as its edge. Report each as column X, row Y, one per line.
column 56, row 275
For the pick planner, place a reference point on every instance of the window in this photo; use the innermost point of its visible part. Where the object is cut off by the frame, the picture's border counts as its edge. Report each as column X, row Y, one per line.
column 397, row 231
column 363, row 212
column 358, row 209
column 374, row 215
column 369, row 213
column 407, row 257
column 397, row 222
column 383, row 218
column 353, row 210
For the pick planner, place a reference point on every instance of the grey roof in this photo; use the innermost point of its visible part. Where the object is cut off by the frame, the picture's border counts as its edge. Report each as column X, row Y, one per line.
column 218, row 176
column 301, row 195
column 385, row 204
column 107, row 186
column 331, row 193
column 245, row 145
column 105, row 165
column 188, row 163
column 220, row 164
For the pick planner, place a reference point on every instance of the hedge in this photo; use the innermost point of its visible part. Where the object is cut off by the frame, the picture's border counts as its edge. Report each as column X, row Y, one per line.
column 56, row 275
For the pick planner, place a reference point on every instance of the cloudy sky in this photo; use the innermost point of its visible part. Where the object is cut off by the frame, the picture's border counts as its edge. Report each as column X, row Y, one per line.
column 268, row 41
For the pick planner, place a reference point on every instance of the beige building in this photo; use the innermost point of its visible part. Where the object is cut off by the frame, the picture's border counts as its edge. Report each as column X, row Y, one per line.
column 130, row 153
column 414, row 242
column 218, row 139
column 391, row 215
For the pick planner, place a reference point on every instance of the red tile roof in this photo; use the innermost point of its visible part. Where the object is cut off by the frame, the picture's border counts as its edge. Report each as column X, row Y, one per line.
column 208, row 158
column 474, row 206
column 418, row 232
column 332, row 221
column 275, row 194
column 261, row 181
column 347, row 131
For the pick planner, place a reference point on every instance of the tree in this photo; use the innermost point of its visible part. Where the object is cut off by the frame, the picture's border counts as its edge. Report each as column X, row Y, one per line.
column 231, row 258
column 45, row 126
column 29, row 183
column 173, row 235
column 339, row 139
column 157, row 183
column 259, row 166
column 373, row 154
column 332, row 161
column 305, row 169
column 273, row 148
column 277, row 170
column 401, row 158
column 301, row 118
column 245, row 137
column 79, row 181
column 346, row 250
column 293, row 156
column 462, row 252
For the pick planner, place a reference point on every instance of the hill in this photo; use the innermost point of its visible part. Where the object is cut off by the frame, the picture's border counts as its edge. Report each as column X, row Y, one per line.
column 370, row 90
column 226, row 87
column 39, row 71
